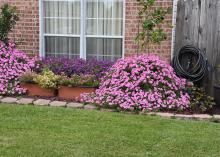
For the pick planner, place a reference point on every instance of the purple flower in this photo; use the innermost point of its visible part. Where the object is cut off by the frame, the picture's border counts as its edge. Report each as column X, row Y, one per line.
column 75, row 66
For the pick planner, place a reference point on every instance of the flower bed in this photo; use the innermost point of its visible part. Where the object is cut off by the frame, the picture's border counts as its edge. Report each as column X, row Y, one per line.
column 76, row 76
column 71, row 77
column 13, row 63
column 138, row 83
column 141, row 83
column 70, row 67
column 47, row 83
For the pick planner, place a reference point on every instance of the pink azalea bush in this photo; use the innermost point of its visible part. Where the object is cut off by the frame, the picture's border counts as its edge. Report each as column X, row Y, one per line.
column 142, row 83
column 13, row 63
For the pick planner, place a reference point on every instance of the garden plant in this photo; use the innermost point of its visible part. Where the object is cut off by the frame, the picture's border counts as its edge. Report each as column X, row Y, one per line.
column 199, row 100
column 13, row 63
column 71, row 67
column 78, row 80
column 72, row 87
column 46, row 83
column 136, row 83
column 141, row 83
column 8, row 19
column 43, row 84
column 46, row 79
column 150, row 19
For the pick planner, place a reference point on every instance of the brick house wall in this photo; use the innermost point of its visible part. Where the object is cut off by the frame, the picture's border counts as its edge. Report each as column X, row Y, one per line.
column 26, row 32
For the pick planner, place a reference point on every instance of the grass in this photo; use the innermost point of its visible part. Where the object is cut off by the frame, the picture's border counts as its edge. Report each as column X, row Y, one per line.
column 27, row 131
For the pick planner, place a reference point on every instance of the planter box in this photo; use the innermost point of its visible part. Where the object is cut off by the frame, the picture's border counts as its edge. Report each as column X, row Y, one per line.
column 65, row 92
column 36, row 90
column 217, row 94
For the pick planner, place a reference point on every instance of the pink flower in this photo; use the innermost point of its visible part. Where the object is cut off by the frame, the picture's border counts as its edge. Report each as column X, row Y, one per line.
column 144, row 82
column 13, row 63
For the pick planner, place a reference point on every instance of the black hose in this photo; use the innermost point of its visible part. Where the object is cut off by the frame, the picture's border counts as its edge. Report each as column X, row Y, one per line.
column 190, row 63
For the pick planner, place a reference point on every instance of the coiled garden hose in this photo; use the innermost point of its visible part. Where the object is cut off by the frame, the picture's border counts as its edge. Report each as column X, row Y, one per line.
column 190, row 63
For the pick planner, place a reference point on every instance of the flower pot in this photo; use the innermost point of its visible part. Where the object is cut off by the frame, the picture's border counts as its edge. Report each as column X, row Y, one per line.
column 36, row 90
column 217, row 94
column 65, row 92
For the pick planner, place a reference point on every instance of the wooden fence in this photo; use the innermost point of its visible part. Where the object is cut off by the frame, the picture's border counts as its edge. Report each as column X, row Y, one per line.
column 198, row 24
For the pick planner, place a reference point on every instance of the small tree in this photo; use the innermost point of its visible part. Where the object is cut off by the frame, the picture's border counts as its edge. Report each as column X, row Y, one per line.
column 150, row 21
column 8, row 19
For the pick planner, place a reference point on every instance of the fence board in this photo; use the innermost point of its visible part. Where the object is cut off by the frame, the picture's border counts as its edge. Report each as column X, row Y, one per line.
column 198, row 24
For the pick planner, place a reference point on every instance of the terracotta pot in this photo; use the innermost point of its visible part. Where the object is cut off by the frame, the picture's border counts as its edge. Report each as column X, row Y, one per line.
column 36, row 90
column 65, row 92
column 217, row 94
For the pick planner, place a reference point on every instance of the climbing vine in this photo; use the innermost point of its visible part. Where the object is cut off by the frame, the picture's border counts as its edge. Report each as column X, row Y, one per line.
column 150, row 21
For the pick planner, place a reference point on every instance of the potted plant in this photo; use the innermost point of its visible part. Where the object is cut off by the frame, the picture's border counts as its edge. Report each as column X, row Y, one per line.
column 73, row 87
column 43, row 84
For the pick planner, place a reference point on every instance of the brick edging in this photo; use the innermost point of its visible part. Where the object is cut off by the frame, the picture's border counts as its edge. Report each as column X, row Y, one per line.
column 45, row 102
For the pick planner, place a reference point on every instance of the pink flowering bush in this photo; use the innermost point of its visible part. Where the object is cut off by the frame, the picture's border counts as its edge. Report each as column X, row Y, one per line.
column 141, row 83
column 13, row 63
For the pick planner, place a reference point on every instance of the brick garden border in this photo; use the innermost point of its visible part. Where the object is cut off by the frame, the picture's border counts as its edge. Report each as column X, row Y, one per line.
column 45, row 102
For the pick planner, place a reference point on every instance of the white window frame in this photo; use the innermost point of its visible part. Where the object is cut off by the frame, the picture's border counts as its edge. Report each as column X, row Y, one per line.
column 82, row 35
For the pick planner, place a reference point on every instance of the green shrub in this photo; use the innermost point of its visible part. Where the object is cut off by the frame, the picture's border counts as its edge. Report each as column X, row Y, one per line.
column 8, row 19
column 199, row 100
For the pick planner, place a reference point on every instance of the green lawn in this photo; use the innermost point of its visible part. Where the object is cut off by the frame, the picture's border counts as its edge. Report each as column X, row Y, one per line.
column 27, row 131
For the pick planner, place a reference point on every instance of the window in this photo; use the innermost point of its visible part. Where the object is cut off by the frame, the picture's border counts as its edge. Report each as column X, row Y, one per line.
column 82, row 28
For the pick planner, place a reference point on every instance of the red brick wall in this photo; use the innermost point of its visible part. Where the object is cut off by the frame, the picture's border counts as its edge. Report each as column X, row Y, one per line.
column 26, row 32
column 131, row 30
column 27, row 29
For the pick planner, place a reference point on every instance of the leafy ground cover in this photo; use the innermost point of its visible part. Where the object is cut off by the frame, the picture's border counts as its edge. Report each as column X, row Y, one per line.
column 28, row 131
